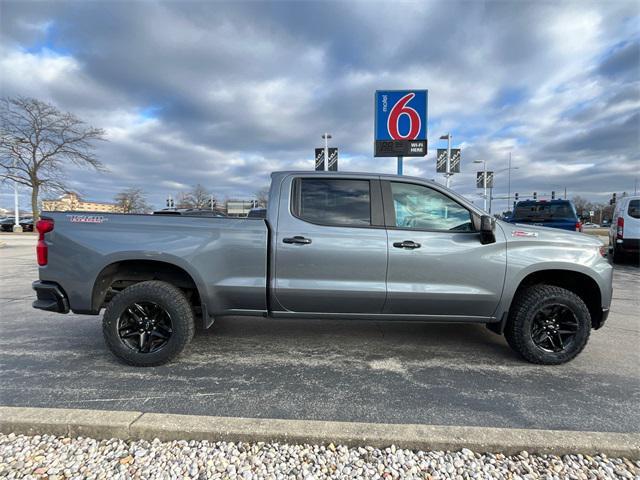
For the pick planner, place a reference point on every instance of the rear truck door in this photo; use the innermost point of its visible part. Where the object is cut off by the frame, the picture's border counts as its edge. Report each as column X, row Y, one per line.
column 437, row 265
column 330, row 246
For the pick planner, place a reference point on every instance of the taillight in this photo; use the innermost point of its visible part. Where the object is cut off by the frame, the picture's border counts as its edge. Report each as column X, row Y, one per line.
column 42, row 251
column 578, row 227
column 620, row 229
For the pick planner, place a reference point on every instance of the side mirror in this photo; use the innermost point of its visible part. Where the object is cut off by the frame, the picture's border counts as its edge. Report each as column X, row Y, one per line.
column 487, row 229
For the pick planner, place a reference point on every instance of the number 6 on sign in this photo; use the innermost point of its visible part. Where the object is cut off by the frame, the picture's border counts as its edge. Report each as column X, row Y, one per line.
column 401, row 123
column 399, row 109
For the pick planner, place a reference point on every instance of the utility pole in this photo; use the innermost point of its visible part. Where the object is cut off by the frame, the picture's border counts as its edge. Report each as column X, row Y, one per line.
column 509, row 184
column 326, row 138
column 16, row 206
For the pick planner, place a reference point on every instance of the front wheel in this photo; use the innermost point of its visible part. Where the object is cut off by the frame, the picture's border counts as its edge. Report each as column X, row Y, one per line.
column 148, row 323
column 548, row 325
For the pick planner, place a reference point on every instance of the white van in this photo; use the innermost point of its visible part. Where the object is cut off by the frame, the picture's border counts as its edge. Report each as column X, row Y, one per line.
column 624, row 234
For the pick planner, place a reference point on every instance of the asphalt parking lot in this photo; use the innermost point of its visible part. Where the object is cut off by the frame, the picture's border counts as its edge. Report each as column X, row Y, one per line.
column 387, row 372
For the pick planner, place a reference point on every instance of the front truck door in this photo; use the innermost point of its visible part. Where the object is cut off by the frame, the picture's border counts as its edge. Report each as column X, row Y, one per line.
column 331, row 246
column 437, row 265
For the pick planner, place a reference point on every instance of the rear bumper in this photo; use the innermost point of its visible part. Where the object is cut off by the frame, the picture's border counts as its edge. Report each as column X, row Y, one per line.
column 50, row 297
column 630, row 245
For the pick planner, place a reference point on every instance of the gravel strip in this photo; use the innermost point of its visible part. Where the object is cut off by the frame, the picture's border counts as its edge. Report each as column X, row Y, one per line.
column 47, row 456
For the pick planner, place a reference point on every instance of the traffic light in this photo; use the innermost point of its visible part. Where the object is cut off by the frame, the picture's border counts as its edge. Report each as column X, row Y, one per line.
column 613, row 200
column 212, row 203
column 517, row 196
column 553, row 195
column 535, row 195
column 170, row 203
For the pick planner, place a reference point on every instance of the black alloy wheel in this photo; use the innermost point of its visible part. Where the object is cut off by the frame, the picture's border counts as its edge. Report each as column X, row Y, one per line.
column 148, row 323
column 145, row 327
column 554, row 328
column 547, row 324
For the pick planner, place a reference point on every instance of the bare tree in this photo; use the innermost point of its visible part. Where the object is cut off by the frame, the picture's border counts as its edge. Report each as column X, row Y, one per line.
column 262, row 196
column 132, row 200
column 198, row 198
column 37, row 141
column 582, row 205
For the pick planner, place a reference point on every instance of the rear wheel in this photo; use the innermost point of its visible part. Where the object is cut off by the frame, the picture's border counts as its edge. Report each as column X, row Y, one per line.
column 148, row 324
column 548, row 325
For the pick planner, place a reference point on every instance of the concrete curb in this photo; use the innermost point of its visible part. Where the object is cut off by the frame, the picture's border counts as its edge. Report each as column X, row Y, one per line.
column 138, row 425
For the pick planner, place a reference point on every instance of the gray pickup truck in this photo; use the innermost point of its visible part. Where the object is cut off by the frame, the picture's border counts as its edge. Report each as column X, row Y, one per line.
column 332, row 245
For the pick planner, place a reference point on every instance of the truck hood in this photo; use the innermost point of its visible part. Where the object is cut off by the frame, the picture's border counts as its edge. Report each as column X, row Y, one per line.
column 518, row 232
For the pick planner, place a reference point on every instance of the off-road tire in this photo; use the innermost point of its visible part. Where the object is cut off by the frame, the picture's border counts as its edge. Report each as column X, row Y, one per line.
column 168, row 297
column 526, row 305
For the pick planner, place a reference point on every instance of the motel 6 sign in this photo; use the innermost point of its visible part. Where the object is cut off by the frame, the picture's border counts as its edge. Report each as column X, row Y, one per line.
column 401, row 123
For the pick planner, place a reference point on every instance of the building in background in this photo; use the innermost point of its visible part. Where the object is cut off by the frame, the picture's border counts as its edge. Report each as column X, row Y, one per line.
column 240, row 208
column 71, row 201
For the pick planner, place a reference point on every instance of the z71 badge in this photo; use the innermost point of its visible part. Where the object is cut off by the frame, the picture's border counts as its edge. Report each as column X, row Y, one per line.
column 87, row 218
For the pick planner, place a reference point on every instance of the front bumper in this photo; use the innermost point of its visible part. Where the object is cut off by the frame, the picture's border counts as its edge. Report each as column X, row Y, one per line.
column 50, row 297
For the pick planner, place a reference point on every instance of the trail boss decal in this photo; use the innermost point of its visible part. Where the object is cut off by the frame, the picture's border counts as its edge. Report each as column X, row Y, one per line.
column 86, row 218
column 521, row 233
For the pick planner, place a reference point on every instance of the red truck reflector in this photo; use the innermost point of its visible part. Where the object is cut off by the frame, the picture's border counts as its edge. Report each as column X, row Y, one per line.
column 42, row 250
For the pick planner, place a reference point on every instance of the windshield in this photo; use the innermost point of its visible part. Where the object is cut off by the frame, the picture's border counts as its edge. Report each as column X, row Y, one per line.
column 544, row 211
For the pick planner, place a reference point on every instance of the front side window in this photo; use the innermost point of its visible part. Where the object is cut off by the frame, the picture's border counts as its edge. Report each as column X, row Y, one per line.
column 423, row 208
column 340, row 202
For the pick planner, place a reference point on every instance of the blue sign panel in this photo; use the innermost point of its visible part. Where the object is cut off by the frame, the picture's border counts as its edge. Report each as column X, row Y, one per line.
column 401, row 123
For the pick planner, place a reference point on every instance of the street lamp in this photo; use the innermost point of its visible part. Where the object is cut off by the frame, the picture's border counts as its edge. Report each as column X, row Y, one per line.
column 326, row 138
column 447, row 175
column 484, row 176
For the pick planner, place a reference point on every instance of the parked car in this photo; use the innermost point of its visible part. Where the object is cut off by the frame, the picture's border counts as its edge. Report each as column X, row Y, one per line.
column 26, row 224
column 590, row 225
column 624, row 234
column 7, row 223
column 355, row 246
column 553, row 213
column 257, row 213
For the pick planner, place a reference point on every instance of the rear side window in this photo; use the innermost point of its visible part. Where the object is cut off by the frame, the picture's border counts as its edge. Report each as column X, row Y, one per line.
column 544, row 211
column 340, row 202
column 634, row 209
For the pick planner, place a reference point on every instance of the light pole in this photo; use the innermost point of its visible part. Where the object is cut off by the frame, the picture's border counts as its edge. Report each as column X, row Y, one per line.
column 508, row 169
column 447, row 174
column 326, row 138
column 484, row 182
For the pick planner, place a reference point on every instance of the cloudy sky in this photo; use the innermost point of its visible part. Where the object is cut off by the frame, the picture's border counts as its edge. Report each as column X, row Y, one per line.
column 224, row 93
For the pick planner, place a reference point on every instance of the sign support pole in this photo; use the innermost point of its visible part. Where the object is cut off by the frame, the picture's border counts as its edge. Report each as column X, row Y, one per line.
column 400, row 164
column 448, row 174
column 485, row 186
column 326, row 151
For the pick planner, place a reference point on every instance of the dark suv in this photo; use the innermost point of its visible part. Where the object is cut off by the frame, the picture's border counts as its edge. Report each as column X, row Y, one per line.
column 552, row 213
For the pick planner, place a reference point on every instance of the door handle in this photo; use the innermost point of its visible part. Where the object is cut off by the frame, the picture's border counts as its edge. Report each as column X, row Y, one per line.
column 410, row 244
column 297, row 239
